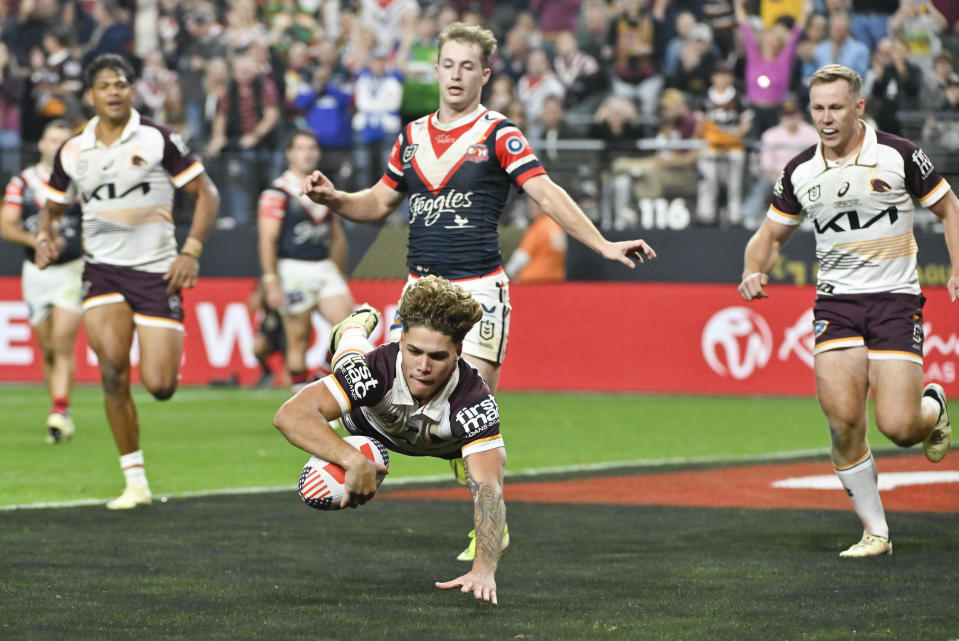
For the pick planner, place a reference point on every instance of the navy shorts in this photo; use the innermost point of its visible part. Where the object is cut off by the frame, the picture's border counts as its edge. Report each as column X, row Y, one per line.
column 889, row 325
column 144, row 292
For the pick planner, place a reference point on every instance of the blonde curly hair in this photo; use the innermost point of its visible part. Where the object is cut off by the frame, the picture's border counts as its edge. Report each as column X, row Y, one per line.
column 470, row 34
column 436, row 303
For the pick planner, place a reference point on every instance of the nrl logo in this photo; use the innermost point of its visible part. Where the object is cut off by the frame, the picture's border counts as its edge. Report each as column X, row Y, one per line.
column 814, row 194
column 409, row 152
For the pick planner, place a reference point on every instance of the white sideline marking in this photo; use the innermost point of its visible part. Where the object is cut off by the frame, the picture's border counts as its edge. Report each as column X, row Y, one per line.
column 886, row 481
column 519, row 474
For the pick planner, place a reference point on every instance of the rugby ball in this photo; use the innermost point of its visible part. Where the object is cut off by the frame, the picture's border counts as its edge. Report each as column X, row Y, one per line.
column 321, row 484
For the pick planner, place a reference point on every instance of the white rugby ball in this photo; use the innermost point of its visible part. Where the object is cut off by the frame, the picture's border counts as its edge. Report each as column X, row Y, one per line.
column 322, row 484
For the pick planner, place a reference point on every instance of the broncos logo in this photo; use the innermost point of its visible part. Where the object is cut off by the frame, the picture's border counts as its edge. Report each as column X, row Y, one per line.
column 879, row 185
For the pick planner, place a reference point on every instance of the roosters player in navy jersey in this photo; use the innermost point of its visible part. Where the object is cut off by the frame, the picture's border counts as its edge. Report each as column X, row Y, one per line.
column 52, row 295
column 125, row 169
column 858, row 187
column 456, row 166
column 418, row 397
column 302, row 255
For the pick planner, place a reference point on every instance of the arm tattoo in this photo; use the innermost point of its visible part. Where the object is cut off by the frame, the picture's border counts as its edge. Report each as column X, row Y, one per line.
column 489, row 516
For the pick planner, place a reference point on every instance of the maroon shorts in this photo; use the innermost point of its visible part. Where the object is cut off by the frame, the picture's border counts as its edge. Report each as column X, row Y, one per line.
column 144, row 292
column 889, row 325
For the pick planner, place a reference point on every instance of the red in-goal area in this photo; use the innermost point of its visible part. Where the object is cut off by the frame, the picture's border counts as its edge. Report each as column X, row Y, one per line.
column 907, row 483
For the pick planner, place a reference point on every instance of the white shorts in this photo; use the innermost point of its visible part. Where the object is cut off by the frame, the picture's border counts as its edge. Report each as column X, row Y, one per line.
column 487, row 339
column 55, row 286
column 306, row 282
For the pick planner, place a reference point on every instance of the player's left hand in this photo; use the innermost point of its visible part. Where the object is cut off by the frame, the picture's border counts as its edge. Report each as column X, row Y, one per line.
column 482, row 584
column 628, row 250
column 182, row 274
column 953, row 288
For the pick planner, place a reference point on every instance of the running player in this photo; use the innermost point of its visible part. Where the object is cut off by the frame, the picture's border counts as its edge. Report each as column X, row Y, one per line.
column 125, row 168
column 857, row 186
column 52, row 295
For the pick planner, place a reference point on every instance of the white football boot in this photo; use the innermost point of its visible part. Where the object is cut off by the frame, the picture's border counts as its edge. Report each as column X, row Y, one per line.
column 869, row 545
column 135, row 495
column 365, row 316
column 937, row 442
column 59, row 428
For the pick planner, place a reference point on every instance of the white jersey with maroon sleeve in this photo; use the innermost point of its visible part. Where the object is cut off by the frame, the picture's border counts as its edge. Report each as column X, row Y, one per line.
column 126, row 190
column 862, row 212
column 462, row 419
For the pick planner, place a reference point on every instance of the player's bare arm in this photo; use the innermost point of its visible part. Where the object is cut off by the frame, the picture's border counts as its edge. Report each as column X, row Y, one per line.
column 47, row 243
column 183, row 273
column 304, row 421
column 762, row 251
column 366, row 206
column 484, row 476
column 560, row 206
column 947, row 209
column 268, row 230
column 10, row 228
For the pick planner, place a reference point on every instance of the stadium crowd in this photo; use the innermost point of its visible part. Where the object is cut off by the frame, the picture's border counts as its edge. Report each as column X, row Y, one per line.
column 675, row 96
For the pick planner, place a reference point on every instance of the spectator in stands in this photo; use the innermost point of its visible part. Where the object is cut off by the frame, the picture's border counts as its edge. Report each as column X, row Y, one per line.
column 537, row 83
column 724, row 120
column 510, row 59
column 720, row 15
column 378, row 96
column 327, row 110
column 770, row 53
column 13, row 88
column 502, row 93
column 942, row 128
column 813, row 35
column 841, row 48
column 616, row 123
column 632, row 40
column 216, row 83
column 555, row 16
column 898, row 88
column 57, row 85
column 297, row 73
column 592, row 29
column 204, row 44
column 541, row 254
column 682, row 25
column 113, row 32
column 548, row 128
column 920, row 24
column 34, row 18
column 242, row 26
column 152, row 84
column 934, row 85
column 579, row 73
column 870, row 20
column 391, row 21
column 779, row 145
column 672, row 170
column 245, row 127
column 697, row 58
column 420, row 91
column 877, row 66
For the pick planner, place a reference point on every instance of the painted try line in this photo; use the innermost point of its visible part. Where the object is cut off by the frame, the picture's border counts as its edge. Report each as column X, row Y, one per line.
column 520, row 474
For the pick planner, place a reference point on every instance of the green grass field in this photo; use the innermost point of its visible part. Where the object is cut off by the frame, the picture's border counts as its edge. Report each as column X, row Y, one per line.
column 263, row 566
column 213, row 438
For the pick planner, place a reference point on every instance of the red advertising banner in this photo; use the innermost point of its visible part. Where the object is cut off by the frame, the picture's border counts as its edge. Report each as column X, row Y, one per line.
column 619, row 337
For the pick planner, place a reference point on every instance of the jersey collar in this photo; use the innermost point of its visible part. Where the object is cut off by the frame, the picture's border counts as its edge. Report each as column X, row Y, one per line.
column 868, row 155
column 88, row 137
column 468, row 118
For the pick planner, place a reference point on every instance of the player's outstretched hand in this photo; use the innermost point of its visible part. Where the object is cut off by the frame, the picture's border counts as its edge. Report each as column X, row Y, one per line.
column 182, row 273
column 752, row 286
column 953, row 288
column 361, row 482
column 481, row 584
column 317, row 188
column 626, row 251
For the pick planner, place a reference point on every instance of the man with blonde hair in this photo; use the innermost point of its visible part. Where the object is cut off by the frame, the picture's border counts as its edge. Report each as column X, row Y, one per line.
column 457, row 166
column 858, row 186
column 418, row 397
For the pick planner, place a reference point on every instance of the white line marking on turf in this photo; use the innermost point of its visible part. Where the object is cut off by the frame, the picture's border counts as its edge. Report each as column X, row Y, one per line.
column 437, row 478
column 888, row 481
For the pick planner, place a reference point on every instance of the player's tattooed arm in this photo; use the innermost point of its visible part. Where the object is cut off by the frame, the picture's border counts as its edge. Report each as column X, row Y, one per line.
column 489, row 509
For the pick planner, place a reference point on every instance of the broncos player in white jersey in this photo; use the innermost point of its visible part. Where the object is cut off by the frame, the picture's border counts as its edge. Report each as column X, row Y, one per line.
column 457, row 166
column 858, row 187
